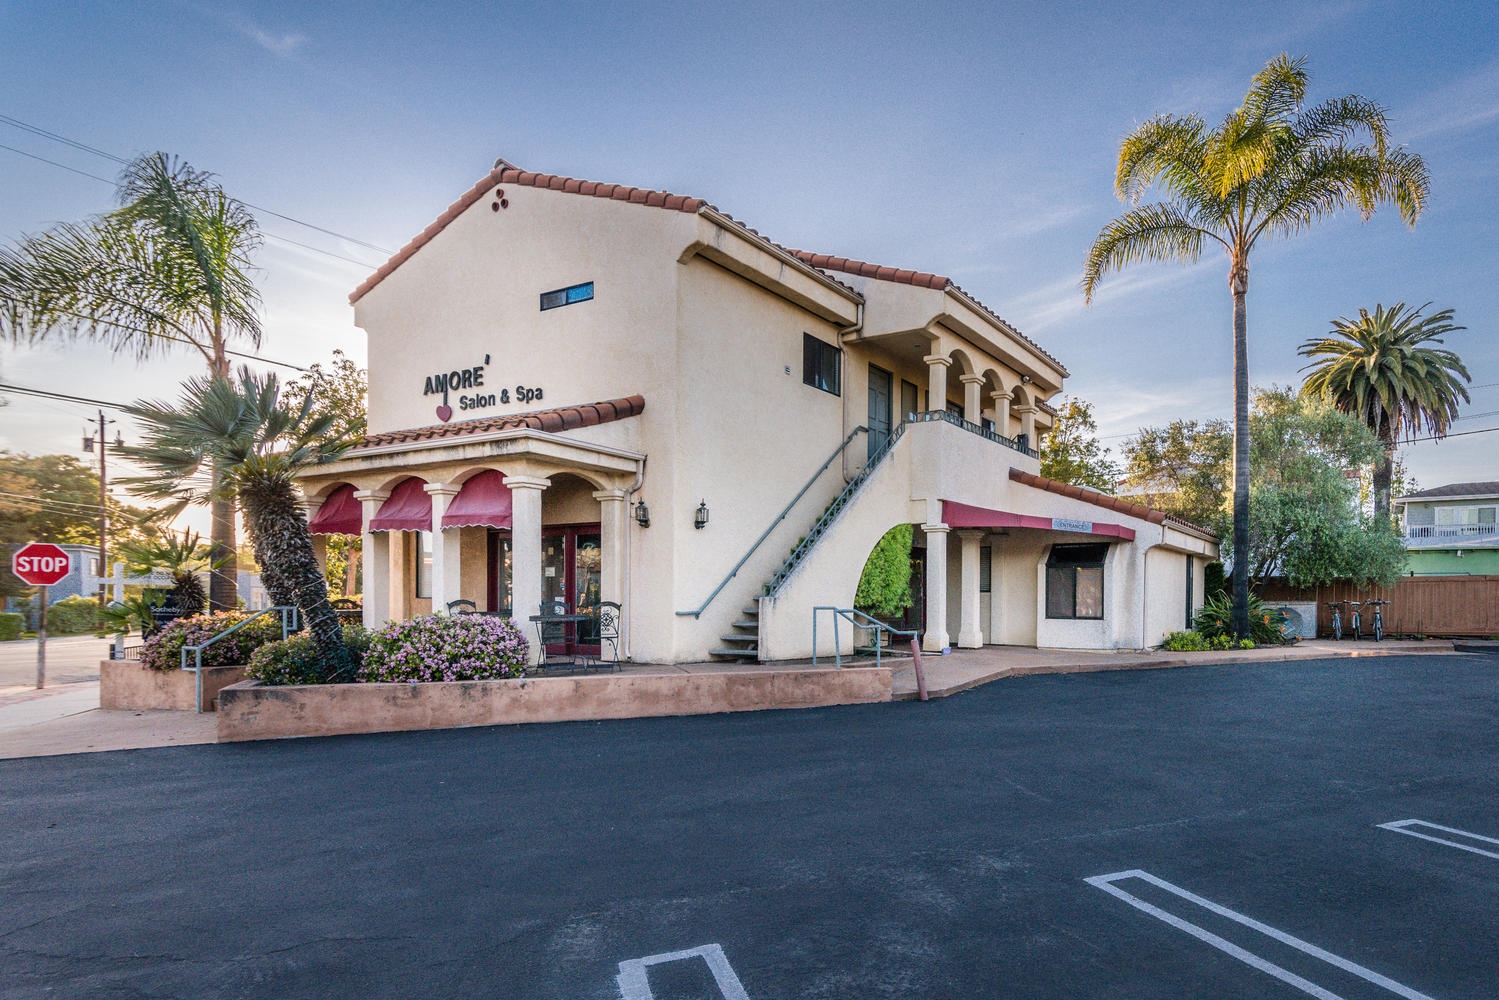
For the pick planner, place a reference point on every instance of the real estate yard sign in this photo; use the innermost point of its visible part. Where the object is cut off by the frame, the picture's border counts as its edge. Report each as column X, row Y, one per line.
column 40, row 564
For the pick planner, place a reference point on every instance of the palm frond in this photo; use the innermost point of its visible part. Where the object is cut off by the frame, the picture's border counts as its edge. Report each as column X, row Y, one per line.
column 1158, row 232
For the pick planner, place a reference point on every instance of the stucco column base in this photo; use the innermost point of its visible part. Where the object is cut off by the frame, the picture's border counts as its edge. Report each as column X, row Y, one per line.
column 936, row 639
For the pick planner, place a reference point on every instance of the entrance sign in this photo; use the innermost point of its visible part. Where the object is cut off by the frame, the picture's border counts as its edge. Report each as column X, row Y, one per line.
column 1066, row 524
column 40, row 564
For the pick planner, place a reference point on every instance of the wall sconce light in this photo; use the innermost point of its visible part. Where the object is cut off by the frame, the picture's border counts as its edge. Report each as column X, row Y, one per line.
column 642, row 515
column 700, row 519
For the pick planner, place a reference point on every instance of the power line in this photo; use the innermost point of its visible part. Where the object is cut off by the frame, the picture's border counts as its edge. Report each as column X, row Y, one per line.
column 46, row 394
column 1484, row 430
column 184, row 340
column 96, row 151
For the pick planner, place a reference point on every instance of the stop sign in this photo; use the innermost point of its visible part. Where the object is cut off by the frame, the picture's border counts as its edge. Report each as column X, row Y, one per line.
column 40, row 564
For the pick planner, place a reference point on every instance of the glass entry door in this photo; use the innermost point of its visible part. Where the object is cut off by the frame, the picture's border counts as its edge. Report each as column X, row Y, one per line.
column 571, row 560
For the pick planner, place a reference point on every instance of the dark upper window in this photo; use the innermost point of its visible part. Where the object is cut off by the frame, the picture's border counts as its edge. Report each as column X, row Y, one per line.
column 1074, row 581
column 567, row 296
column 822, row 365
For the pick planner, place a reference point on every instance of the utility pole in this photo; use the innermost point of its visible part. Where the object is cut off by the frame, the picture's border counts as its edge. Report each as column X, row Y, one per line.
column 88, row 445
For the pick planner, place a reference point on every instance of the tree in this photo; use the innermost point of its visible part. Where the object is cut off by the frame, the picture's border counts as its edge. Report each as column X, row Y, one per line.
column 180, row 555
column 1183, row 469
column 339, row 390
column 238, row 439
column 1271, row 168
column 885, row 583
column 1071, row 452
column 1376, row 369
column 170, row 266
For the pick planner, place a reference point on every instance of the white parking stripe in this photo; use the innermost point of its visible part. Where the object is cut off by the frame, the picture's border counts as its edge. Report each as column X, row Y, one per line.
column 634, row 984
column 1106, row 883
column 1404, row 826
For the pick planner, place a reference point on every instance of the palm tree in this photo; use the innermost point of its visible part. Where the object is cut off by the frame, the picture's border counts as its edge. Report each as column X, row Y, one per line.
column 1376, row 369
column 1271, row 168
column 236, row 439
column 181, row 556
column 170, row 266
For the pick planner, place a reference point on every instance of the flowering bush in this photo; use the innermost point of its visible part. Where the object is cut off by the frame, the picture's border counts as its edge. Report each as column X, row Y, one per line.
column 163, row 651
column 294, row 660
column 439, row 648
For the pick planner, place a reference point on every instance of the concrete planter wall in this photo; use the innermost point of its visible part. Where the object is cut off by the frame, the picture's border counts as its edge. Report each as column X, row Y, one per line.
column 249, row 710
column 125, row 684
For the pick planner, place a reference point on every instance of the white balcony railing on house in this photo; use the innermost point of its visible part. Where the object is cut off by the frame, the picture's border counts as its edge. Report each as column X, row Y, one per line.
column 1428, row 536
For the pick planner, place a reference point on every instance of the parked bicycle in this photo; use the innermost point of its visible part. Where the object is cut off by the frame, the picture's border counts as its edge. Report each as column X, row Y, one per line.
column 1378, row 619
column 1355, row 619
column 1337, row 619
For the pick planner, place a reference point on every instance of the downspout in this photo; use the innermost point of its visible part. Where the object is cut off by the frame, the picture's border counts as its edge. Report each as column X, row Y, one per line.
column 629, row 566
column 843, row 332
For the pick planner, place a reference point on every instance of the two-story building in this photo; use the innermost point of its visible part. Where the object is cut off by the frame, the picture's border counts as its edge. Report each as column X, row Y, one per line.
column 1451, row 530
column 588, row 392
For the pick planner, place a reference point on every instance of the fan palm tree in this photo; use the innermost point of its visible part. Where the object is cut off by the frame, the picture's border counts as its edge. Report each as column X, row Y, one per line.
column 1271, row 168
column 235, row 439
column 169, row 267
column 1376, row 369
column 181, row 556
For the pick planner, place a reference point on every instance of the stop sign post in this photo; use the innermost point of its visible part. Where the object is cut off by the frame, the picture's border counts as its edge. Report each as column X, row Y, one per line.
column 41, row 564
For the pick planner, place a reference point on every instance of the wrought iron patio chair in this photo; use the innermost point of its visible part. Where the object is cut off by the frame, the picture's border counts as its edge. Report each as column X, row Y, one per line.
column 609, row 612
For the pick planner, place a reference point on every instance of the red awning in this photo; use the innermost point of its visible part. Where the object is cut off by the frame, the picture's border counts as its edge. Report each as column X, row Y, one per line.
column 483, row 500
column 409, row 508
column 961, row 515
column 340, row 514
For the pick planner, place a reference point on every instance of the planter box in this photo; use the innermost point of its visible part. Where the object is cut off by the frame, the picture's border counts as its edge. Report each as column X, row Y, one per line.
column 250, row 710
column 125, row 684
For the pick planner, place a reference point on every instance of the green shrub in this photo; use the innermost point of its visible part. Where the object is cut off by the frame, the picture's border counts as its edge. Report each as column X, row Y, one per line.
column 294, row 660
column 1185, row 642
column 73, row 616
column 1246, row 643
column 1267, row 626
column 12, row 624
column 440, row 648
column 885, row 585
column 163, row 651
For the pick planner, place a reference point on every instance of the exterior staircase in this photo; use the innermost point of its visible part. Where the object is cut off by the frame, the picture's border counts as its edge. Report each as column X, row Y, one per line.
column 744, row 644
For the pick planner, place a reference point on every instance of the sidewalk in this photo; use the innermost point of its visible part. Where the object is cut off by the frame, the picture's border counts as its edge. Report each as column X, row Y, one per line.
column 66, row 718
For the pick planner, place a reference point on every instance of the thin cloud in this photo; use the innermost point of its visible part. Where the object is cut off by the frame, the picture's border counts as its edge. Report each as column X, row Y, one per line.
column 1469, row 103
column 284, row 45
column 1061, row 300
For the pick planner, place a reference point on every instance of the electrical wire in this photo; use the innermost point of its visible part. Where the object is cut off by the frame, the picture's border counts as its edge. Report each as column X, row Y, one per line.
column 46, row 394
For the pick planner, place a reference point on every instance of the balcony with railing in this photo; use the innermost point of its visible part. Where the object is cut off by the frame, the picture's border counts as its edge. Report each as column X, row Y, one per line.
column 1446, row 536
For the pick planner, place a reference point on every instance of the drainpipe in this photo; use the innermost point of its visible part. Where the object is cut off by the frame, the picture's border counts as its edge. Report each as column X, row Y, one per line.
column 842, row 332
column 629, row 566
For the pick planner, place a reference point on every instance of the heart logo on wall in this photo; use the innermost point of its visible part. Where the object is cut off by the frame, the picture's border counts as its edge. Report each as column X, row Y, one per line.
column 444, row 413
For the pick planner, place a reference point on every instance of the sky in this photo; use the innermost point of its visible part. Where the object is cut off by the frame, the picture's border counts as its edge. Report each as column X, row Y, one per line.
column 972, row 140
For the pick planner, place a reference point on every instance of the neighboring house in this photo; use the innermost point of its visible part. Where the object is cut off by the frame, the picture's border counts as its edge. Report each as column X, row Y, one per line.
column 587, row 393
column 1452, row 530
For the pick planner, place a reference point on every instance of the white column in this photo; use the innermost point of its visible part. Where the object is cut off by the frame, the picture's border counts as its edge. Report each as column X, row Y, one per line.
column 376, row 558
column 1001, row 413
column 970, row 632
column 445, row 549
column 973, row 406
column 936, row 371
column 613, row 523
column 1028, row 426
column 525, row 553
column 936, row 639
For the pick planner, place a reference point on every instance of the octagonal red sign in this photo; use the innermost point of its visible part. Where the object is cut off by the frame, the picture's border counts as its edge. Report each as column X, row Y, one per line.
column 40, row 564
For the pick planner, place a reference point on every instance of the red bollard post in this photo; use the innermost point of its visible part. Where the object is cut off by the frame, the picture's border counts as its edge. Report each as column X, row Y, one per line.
column 920, row 674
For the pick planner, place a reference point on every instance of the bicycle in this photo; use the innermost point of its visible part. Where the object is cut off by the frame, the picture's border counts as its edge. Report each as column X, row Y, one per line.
column 1378, row 619
column 1355, row 620
column 1337, row 619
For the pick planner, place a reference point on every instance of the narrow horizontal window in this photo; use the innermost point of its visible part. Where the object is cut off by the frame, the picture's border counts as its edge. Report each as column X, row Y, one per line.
column 567, row 296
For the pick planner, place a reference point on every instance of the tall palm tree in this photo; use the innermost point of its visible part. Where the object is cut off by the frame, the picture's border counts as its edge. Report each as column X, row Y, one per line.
column 235, row 438
column 1376, row 369
column 1271, row 168
column 169, row 267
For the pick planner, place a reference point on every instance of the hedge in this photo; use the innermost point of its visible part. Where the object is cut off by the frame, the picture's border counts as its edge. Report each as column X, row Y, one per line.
column 73, row 616
column 12, row 624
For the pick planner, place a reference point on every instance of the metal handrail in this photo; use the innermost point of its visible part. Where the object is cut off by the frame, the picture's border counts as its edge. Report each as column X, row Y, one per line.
column 834, row 508
column 852, row 616
column 289, row 624
column 778, row 519
column 943, row 416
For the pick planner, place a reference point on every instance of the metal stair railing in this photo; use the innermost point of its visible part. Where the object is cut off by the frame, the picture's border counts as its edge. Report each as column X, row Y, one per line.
column 289, row 623
column 836, row 507
column 943, row 416
column 778, row 519
column 860, row 619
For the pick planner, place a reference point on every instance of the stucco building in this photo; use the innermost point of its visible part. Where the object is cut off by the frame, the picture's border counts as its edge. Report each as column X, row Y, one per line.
column 588, row 392
column 1452, row 530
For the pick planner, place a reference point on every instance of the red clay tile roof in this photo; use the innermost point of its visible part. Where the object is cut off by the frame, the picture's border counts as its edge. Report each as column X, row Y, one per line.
column 506, row 174
column 920, row 279
column 561, row 419
column 1107, row 502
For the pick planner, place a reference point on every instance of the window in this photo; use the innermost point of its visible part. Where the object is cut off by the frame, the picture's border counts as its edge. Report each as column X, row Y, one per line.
column 423, row 564
column 822, row 365
column 986, row 556
column 1074, row 581
column 567, row 296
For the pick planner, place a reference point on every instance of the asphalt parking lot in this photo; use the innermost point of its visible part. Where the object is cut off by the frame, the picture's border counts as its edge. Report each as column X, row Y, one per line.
column 1313, row 828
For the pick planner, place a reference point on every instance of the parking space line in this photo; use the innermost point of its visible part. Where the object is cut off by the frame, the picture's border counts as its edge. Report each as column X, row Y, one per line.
column 1106, row 883
column 634, row 984
column 1404, row 826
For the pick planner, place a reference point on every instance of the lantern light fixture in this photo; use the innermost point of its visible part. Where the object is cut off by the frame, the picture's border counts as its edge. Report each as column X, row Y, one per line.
column 642, row 514
column 700, row 519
